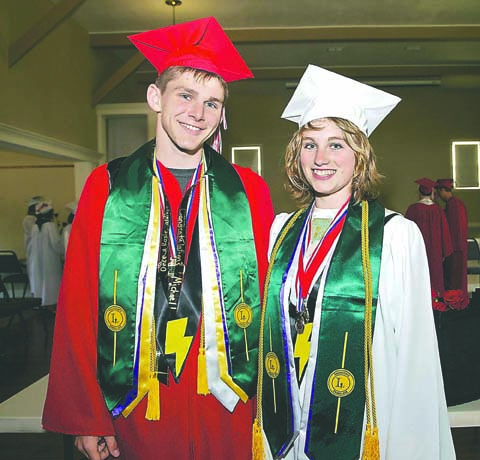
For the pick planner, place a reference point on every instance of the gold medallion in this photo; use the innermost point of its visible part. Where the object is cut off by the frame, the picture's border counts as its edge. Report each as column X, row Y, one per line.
column 115, row 318
column 341, row 382
column 272, row 365
column 243, row 315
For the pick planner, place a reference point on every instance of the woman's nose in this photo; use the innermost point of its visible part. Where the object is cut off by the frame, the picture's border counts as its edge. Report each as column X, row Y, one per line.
column 321, row 157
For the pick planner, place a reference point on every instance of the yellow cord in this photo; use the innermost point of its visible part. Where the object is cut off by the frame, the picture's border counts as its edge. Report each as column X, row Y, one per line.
column 202, row 378
column 371, row 443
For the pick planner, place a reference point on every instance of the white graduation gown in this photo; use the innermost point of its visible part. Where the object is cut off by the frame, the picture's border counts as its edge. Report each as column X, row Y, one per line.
column 66, row 235
column 45, row 264
column 28, row 223
column 412, row 414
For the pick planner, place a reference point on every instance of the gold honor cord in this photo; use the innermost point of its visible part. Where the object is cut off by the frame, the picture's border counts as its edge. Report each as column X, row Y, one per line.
column 371, row 446
column 243, row 315
column 115, row 318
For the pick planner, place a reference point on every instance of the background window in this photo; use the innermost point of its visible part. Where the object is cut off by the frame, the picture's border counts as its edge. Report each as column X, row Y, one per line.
column 248, row 156
column 466, row 163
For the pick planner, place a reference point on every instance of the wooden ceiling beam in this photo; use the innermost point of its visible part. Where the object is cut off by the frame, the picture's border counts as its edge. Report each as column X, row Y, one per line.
column 121, row 74
column 367, row 71
column 56, row 15
column 322, row 33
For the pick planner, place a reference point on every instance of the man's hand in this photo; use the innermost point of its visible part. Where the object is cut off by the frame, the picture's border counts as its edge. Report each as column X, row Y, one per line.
column 97, row 447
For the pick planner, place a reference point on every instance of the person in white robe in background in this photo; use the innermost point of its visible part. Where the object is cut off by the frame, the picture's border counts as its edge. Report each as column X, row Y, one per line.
column 27, row 224
column 331, row 167
column 68, row 228
column 45, row 262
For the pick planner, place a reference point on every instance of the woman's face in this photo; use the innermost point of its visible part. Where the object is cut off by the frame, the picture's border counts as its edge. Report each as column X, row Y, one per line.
column 328, row 164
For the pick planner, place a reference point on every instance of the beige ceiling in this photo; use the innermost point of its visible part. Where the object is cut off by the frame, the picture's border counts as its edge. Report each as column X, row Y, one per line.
column 384, row 42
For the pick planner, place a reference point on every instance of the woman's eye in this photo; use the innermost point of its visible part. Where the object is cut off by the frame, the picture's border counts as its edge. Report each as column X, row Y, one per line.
column 308, row 145
column 336, row 146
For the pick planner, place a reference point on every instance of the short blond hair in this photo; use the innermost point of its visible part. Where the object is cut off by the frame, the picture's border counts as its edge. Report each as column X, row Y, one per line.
column 366, row 178
column 171, row 73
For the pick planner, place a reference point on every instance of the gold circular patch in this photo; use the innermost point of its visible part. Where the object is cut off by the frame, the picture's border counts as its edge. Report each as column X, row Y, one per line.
column 341, row 382
column 243, row 315
column 272, row 365
column 115, row 318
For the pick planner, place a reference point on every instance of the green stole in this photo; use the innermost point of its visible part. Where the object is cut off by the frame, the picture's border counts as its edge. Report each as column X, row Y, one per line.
column 342, row 310
column 124, row 232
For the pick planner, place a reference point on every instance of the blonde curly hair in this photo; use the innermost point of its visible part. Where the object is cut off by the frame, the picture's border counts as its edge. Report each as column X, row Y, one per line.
column 366, row 178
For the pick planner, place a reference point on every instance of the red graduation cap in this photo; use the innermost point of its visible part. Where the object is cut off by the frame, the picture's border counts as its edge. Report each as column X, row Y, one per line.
column 200, row 44
column 426, row 185
column 444, row 183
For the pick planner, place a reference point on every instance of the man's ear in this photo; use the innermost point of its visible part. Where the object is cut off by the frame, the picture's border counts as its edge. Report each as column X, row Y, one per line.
column 154, row 98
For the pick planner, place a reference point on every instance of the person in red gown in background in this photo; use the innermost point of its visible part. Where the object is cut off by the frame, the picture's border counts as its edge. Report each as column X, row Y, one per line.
column 432, row 222
column 455, row 265
column 156, row 335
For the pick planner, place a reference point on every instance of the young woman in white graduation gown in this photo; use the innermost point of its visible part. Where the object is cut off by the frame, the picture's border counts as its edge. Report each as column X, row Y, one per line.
column 348, row 362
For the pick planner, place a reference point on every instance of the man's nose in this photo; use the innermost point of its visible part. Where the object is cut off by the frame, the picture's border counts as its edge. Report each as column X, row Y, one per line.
column 197, row 110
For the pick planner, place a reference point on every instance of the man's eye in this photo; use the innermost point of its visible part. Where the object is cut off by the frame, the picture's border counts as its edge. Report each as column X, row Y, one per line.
column 212, row 105
column 185, row 96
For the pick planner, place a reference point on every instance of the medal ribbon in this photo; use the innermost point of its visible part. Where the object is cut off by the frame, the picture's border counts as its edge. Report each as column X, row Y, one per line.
column 173, row 253
column 307, row 269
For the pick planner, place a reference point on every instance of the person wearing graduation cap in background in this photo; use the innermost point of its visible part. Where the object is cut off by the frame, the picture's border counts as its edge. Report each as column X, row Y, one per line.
column 456, row 213
column 349, row 365
column 27, row 224
column 29, row 219
column 46, row 252
column 72, row 205
column 431, row 221
column 156, row 336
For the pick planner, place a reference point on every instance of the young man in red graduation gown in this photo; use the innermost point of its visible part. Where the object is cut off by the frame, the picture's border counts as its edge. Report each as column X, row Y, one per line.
column 156, row 337
column 431, row 221
column 456, row 214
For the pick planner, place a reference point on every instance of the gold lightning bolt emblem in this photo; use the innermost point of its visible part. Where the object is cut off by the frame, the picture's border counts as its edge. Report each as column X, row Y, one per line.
column 177, row 342
column 302, row 348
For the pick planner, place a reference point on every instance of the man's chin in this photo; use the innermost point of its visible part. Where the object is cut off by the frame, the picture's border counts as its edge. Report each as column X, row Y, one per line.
column 191, row 149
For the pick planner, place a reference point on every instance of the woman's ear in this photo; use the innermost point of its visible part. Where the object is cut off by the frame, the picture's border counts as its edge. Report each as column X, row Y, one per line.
column 154, row 98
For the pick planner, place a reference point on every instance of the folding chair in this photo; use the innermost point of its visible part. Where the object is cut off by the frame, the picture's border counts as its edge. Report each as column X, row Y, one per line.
column 473, row 255
column 12, row 272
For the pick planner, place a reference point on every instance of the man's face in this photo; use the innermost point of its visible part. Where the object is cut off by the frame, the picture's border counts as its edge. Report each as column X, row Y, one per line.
column 443, row 194
column 190, row 112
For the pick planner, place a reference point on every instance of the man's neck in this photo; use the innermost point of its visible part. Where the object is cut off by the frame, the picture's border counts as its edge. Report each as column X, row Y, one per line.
column 426, row 200
column 172, row 157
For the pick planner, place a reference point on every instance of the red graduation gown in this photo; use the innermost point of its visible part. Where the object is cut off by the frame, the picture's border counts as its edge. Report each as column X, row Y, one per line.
column 431, row 221
column 191, row 426
column 456, row 264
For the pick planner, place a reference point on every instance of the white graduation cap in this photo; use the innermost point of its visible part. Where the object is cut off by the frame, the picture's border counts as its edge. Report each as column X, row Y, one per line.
column 321, row 93
column 35, row 200
column 72, row 205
